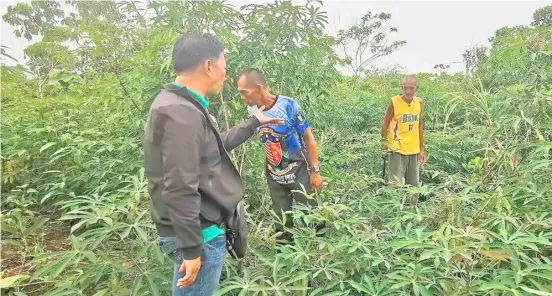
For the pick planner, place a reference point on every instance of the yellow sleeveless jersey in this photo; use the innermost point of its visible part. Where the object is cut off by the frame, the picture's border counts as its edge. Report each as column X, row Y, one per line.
column 403, row 132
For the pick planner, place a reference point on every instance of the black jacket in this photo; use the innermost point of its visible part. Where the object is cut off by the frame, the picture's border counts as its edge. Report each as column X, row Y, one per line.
column 191, row 182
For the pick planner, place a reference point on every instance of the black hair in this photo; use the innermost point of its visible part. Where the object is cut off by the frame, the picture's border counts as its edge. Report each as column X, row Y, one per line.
column 253, row 76
column 192, row 49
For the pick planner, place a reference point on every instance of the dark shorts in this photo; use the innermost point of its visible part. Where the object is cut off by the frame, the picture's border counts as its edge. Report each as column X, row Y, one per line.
column 403, row 169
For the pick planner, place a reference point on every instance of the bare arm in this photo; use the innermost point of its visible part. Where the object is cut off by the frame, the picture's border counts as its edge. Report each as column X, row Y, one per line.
column 310, row 144
column 385, row 125
column 302, row 126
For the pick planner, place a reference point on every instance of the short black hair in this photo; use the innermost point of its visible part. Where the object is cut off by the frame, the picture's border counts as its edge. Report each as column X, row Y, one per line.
column 192, row 49
column 253, row 76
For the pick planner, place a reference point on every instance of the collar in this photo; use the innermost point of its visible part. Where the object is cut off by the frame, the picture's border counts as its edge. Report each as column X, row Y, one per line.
column 201, row 99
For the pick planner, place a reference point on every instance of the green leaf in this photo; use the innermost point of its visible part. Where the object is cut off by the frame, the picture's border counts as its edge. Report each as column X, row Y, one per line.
column 47, row 196
column 10, row 229
column 57, row 157
column 61, row 265
column 493, row 286
column 399, row 285
column 428, row 254
column 416, row 289
column 137, row 285
column 337, row 293
column 297, row 278
column 424, row 291
column 108, row 220
column 12, row 242
column 536, row 292
column 59, row 151
column 48, row 256
column 37, row 223
column 395, row 276
column 63, row 83
column 78, row 225
column 90, row 255
column 10, row 281
column 359, row 287
column 66, row 77
column 154, row 289
column 143, row 236
column 224, row 290
column 398, row 244
column 126, row 231
column 46, row 146
column 101, row 292
column 495, row 254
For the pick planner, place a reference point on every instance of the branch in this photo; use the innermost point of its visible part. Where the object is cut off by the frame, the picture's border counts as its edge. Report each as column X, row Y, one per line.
column 120, row 80
column 357, row 58
column 141, row 16
column 373, row 58
column 352, row 67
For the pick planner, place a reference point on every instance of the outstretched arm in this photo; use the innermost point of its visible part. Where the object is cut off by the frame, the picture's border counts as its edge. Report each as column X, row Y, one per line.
column 235, row 136
column 243, row 131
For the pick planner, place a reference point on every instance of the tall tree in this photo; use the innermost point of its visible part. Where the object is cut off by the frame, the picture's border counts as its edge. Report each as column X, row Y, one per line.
column 518, row 54
column 367, row 41
column 35, row 18
column 80, row 36
column 542, row 16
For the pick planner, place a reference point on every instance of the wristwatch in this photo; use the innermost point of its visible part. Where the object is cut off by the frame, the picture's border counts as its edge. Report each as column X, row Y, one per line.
column 315, row 169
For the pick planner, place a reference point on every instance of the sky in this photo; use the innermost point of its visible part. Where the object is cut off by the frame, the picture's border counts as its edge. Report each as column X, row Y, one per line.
column 436, row 32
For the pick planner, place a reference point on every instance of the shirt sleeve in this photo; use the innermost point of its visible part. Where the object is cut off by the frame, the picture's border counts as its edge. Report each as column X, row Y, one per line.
column 299, row 121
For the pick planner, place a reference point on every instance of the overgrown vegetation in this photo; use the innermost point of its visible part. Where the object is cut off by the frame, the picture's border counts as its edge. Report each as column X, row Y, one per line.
column 75, row 211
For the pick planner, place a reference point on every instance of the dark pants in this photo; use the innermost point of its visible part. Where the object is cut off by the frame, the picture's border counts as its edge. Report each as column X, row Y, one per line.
column 282, row 197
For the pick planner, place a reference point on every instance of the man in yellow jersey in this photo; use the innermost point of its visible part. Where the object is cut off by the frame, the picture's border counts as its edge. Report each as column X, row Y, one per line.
column 402, row 135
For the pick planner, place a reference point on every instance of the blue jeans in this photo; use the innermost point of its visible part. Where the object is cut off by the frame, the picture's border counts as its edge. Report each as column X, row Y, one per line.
column 212, row 260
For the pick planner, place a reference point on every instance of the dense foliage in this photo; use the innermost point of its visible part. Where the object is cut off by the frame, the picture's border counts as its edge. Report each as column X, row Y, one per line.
column 75, row 210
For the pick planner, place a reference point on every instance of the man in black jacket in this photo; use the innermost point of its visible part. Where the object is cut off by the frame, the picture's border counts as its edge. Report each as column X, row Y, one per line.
column 191, row 182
